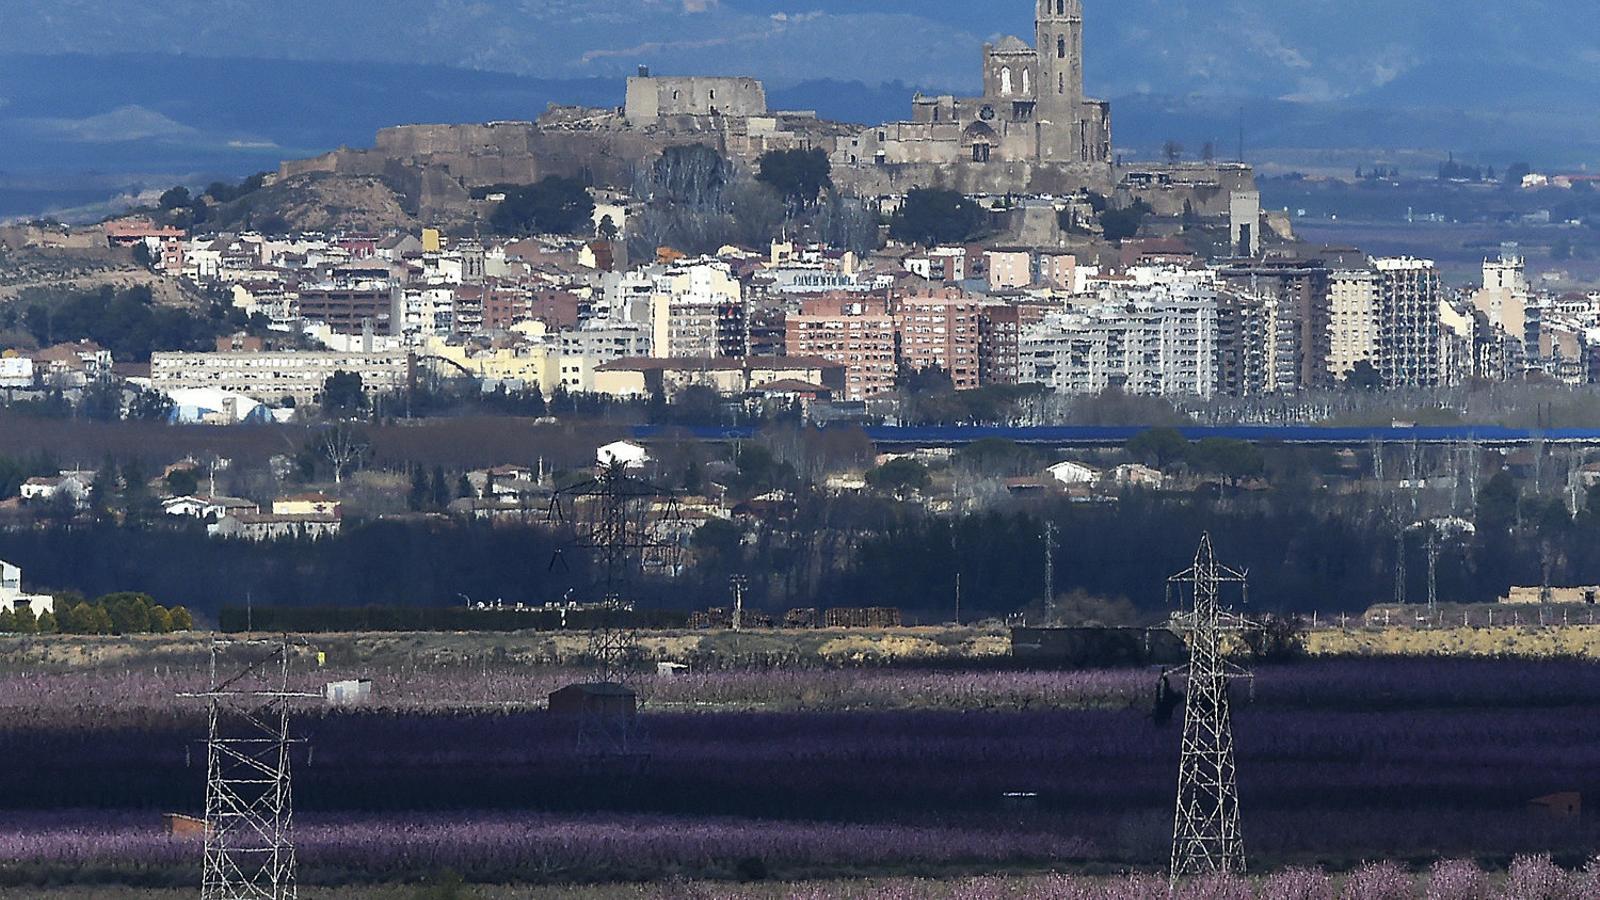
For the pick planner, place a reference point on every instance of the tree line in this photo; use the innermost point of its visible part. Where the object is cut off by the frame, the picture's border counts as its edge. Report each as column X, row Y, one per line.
column 118, row 613
column 128, row 322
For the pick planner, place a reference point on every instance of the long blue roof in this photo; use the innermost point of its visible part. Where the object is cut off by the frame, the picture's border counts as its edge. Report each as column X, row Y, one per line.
column 1093, row 435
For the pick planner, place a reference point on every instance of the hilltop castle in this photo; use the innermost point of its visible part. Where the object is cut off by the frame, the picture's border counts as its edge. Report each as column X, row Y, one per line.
column 1033, row 108
column 1031, row 131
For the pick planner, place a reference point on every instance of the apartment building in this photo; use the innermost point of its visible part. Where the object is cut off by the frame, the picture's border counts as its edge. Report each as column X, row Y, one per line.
column 1410, row 335
column 1354, row 310
column 1009, row 268
column 1505, row 294
column 939, row 331
column 270, row 376
column 855, row 332
column 1157, row 341
column 1000, row 325
column 697, row 310
column 1300, row 287
column 355, row 306
column 1248, row 345
column 603, row 343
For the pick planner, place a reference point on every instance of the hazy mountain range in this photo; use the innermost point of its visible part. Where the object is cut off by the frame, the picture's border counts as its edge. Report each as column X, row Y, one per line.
column 170, row 87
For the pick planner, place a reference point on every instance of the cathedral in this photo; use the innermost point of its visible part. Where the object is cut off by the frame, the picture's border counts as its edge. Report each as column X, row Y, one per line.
column 1032, row 110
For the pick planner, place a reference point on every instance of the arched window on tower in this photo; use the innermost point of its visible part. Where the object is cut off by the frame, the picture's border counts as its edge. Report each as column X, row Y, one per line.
column 1027, row 86
column 1061, row 83
column 1061, row 7
column 1061, row 47
column 1005, row 81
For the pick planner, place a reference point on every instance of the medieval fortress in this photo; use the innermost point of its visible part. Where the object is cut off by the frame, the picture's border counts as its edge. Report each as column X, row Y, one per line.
column 1033, row 131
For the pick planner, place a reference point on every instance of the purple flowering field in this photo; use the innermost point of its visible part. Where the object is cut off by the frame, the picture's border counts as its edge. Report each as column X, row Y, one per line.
column 821, row 774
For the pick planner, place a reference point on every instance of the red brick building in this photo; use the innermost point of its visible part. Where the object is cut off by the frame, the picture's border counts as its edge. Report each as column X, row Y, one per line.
column 854, row 331
column 939, row 330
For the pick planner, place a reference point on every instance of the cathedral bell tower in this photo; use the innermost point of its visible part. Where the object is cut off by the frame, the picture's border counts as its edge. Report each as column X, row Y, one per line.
column 1061, row 121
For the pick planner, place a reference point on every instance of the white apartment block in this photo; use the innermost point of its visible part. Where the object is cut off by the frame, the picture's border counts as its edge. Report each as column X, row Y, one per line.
column 1505, row 295
column 1162, row 341
column 428, row 312
column 1353, row 320
column 269, row 376
column 684, row 328
column 687, row 308
column 1410, row 335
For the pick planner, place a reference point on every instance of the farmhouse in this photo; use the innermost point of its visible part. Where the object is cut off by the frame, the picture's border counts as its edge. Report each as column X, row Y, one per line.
column 205, row 507
column 71, row 485
column 629, row 454
column 307, row 505
column 1071, row 473
column 12, row 597
column 1534, row 595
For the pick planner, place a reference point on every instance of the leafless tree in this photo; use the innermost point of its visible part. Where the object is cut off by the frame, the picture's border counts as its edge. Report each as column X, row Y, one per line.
column 344, row 448
column 848, row 223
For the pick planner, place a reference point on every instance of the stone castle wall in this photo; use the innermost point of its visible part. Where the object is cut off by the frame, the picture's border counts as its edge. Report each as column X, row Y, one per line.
column 437, row 166
column 651, row 98
column 1015, row 177
column 1207, row 188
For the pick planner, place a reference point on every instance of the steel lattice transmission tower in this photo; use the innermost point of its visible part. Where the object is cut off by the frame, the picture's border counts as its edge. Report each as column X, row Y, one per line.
column 628, row 526
column 625, row 523
column 249, row 851
column 1205, row 834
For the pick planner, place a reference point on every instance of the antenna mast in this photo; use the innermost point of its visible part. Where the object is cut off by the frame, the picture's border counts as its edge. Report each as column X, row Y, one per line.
column 1205, row 837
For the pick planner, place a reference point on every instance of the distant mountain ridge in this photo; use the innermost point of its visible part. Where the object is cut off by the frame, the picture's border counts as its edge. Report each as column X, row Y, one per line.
column 1296, row 49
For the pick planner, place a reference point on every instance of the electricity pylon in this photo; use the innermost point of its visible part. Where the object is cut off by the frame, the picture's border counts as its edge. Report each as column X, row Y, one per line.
column 1205, row 835
column 627, row 525
column 249, row 850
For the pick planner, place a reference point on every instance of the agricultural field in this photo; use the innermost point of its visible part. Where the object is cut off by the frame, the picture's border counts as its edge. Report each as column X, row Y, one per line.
column 891, row 779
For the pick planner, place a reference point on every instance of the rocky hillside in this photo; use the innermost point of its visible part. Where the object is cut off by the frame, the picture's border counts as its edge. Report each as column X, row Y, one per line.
column 322, row 203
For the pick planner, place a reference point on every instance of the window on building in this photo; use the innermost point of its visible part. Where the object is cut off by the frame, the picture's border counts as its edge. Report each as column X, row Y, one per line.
column 1061, row 47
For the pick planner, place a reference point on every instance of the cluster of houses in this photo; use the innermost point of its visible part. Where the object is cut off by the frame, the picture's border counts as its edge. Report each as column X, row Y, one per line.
column 66, row 366
column 310, row 515
column 305, row 515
